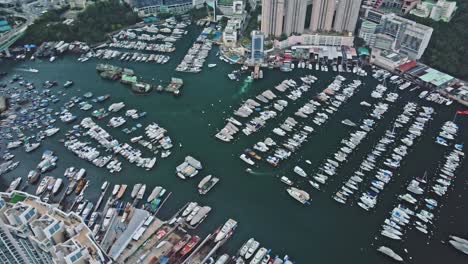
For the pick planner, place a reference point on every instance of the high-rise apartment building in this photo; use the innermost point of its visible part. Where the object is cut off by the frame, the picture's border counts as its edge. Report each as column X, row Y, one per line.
column 272, row 17
column 33, row 232
column 295, row 14
column 346, row 17
column 323, row 12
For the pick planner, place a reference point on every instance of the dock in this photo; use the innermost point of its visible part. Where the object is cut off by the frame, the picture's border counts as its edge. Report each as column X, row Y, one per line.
column 98, row 204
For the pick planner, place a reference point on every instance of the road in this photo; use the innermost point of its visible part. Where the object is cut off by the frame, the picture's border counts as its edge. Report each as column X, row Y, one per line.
column 31, row 12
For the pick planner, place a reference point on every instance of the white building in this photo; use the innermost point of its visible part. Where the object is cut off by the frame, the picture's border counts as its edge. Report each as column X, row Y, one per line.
column 441, row 11
column 33, row 232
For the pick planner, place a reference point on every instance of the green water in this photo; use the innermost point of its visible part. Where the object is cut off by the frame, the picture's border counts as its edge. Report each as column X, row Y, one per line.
column 324, row 232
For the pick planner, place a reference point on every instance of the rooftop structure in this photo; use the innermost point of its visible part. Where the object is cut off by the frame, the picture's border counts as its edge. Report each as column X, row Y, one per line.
column 35, row 232
column 257, row 50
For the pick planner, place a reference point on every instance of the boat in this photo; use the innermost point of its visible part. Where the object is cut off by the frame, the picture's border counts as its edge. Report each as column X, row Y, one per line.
column 189, row 209
column 14, row 184
column 31, row 146
column 33, row 176
column 211, row 65
column 68, row 83
column 51, row 184
column 225, row 230
column 206, row 184
column 135, row 190
column 190, row 245
column 253, row 247
column 154, row 194
column 200, row 215
column 87, row 210
column 299, row 171
column 298, row 194
column 259, row 256
column 51, row 131
column 115, row 190
column 286, row 180
column 43, row 185
column 79, row 186
column 14, row 144
column 348, row 123
column 104, row 186
column 181, row 243
column 389, row 252
column 247, row 159
column 57, row 185
column 141, row 192
column 122, row 190
column 462, row 247
column 71, row 187
column 246, row 247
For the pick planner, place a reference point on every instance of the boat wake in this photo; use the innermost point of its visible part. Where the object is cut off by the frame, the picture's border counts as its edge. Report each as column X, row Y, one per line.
column 245, row 86
column 28, row 70
column 250, row 171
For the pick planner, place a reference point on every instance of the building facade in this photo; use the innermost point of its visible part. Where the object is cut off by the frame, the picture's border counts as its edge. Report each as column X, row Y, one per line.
column 272, row 17
column 295, row 15
column 347, row 14
column 323, row 12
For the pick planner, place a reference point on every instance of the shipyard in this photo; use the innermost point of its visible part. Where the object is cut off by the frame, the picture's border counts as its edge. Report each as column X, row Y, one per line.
column 202, row 132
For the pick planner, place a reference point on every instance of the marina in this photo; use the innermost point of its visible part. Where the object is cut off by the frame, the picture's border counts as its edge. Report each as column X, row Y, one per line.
column 404, row 132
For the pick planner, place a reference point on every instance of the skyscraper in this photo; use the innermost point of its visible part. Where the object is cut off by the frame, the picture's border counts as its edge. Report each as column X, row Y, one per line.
column 322, row 15
column 294, row 20
column 347, row 14
column 272, row 17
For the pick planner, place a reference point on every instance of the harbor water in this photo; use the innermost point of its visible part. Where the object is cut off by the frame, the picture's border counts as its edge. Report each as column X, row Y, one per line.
column 322, row 232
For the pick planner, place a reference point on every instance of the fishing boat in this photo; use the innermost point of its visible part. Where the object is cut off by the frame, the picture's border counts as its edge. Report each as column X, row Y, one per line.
column 122, row 190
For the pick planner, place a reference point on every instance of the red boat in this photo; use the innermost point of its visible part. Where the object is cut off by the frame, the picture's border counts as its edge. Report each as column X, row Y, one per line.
column 190, row 245
column 160, row 234
column 181, row 243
